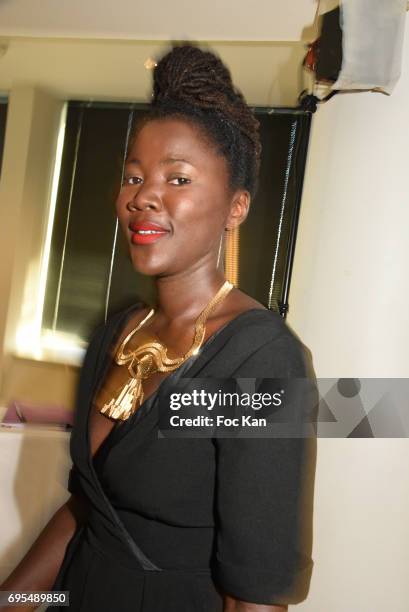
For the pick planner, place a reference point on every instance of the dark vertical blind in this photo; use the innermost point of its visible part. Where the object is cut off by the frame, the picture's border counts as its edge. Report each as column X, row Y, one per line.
column 3, row 119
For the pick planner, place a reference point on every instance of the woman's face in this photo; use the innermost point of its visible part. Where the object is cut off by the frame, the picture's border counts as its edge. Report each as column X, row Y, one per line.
column 175, row 200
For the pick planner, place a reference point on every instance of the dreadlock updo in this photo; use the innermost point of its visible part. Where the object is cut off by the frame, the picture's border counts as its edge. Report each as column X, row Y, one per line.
column 194, row 84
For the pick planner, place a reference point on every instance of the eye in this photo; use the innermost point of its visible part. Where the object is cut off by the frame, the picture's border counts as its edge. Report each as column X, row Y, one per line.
column 132, row 180
column 180, row 180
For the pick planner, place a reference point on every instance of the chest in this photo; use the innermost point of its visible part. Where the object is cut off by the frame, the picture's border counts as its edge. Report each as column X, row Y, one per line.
column 113, row 381
column 160, row 477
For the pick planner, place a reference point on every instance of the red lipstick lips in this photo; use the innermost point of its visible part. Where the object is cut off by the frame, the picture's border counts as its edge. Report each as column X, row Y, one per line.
column 146, row 232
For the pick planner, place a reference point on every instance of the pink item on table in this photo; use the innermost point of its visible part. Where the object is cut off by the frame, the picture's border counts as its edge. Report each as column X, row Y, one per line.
column 21, row 412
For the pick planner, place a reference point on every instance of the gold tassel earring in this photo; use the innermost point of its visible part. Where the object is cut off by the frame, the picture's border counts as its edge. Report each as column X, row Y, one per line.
column 220, row 252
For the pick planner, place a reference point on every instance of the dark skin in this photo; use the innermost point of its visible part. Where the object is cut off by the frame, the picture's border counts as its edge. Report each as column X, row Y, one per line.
column 192, row 198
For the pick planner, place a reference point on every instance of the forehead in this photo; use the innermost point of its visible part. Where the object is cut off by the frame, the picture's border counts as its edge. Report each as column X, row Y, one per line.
column 171, row 137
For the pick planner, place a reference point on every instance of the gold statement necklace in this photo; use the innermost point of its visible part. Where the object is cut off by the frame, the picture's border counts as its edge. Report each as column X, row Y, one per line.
column 151, row 357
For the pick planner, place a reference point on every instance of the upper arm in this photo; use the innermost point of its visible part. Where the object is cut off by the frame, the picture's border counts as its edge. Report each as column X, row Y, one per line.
column 264, row 496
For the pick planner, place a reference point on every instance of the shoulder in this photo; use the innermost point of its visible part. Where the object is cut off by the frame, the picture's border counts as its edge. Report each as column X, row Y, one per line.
column 270, row 346
column 259, row 327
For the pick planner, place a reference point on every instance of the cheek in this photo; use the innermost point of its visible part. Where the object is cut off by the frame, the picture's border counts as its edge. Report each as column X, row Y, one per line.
column 202, row 211
column 198, row 232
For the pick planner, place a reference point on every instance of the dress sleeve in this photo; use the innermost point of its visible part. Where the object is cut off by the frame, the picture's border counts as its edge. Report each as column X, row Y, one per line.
column 74, row 484
column 264, row 496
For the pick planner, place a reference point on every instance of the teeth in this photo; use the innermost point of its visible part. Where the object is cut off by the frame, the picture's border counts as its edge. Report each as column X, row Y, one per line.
column 143, row 232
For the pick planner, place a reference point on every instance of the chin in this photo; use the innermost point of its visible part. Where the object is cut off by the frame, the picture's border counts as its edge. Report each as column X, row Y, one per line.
column 146, row 268
column 147, row 265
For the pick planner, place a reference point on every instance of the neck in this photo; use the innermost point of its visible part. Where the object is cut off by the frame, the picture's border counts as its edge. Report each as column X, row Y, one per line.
column 185, row 295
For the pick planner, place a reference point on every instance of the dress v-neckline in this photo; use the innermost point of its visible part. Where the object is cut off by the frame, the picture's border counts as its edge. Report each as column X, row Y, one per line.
column 121, row 429
column 150, row 399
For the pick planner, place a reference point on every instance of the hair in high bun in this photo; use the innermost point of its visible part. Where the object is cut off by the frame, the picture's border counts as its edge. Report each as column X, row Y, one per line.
column 195, row 84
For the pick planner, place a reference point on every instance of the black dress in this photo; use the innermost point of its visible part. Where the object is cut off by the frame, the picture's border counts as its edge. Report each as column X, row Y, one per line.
column 174, row 522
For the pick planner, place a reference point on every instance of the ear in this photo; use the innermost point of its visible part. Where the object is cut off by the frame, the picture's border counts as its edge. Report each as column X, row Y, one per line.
column 239, row 209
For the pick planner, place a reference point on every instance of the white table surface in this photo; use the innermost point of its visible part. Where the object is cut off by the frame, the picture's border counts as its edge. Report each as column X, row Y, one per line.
column 34, row 465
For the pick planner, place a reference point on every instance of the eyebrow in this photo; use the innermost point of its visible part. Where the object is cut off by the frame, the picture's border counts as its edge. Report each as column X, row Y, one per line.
column 168, row 160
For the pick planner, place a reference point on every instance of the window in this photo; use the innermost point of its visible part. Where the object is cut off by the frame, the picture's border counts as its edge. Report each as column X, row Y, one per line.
column 89, row 272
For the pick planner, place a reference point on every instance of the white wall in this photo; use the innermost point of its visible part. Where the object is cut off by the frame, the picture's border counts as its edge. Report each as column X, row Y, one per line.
column 350, row 287
column 349, row 303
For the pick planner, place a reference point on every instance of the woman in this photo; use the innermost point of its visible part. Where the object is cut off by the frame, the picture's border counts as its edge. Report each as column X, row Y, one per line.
column 156, row 523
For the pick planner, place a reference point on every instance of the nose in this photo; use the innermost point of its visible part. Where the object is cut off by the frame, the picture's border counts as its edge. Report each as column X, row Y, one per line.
column 145, row 198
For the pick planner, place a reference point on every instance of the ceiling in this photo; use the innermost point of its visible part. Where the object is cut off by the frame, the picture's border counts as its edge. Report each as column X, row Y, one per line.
column 212, row 20
column 269, row 73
